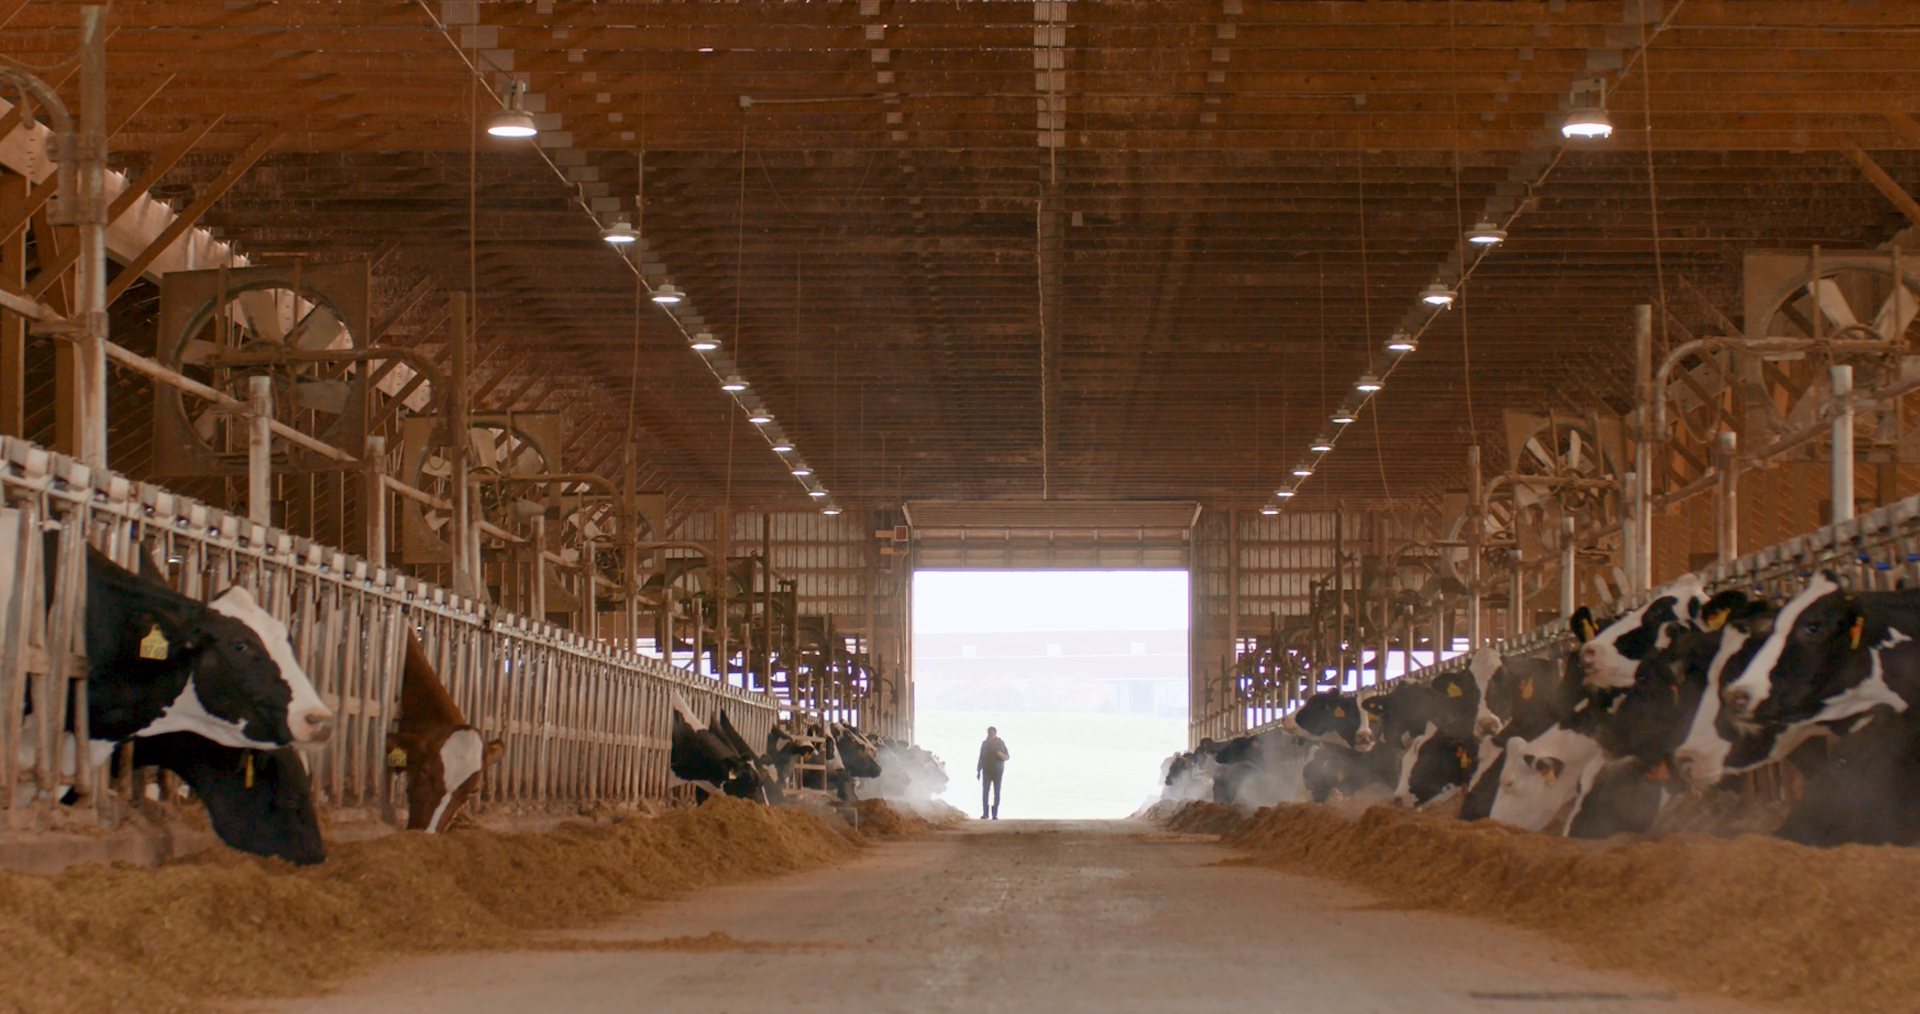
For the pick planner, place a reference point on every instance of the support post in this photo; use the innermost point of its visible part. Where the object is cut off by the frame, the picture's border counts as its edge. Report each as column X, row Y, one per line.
column 539, row 595
column 1643, row 444
column 1567, row 574
column 91, row 277
column 1476, row 514
column 630, row 557
column 13, row 327
column 460, row 537
column 1842, row 442
column 374, row 479
column 1340, row 593
column 260, row 450
column 1726, row 526
column 1516, row 598
column 723, row 574
column 1630, row 538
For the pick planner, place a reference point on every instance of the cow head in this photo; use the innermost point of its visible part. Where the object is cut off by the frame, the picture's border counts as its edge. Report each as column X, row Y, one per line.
column 244, row 688
column 1609, row 656
column 1541, row 776
column 444, row 770
column 1821, row 644
column 1327, row 717
column 1434, row 767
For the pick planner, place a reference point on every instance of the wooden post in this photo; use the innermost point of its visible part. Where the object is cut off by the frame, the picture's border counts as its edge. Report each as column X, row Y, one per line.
column 88, row 209
column 1726, row 528
column 1568, row 588
column 13, row 327
column 1842, row 483
column 1476, row 515
column 460, row 532
column 539, row 591
column 374, row 499
column 1643, row 442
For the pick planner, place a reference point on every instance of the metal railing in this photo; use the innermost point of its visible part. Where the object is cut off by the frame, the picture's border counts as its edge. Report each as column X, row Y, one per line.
column 1878, row 550
column 581, row 721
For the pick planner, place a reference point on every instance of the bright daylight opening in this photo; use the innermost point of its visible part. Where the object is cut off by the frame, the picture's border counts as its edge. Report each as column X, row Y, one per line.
column 1084, row 673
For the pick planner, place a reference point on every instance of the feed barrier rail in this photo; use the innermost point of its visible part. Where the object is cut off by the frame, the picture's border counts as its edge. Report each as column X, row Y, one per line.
column 581, row 721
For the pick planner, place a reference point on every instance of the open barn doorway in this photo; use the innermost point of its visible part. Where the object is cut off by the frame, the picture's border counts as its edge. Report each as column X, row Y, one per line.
column 1084, row 673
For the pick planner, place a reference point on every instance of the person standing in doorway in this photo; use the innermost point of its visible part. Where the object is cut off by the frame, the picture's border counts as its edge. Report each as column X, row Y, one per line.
column 992, row 764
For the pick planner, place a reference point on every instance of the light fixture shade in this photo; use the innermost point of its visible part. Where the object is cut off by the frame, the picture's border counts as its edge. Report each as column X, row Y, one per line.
column 1283, row 493
column 817, row 494
column 1587, row 123
column 759, row 417
column 703, row 342
column 1401, row 342
column 667, row 295
column 512, row 123
column 803, row 471
column 1302, row 471
column 1320, row 445
column 1486, row 234
column 782, row 447
column 1368, row 384
column 1343, row 417
column 1437, row 295
column 734, row 384
column 1269, row 509
column 619, row 233
column 830, row 511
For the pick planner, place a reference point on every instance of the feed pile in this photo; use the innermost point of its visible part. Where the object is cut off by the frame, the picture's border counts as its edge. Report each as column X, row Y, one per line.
column 1824, row 930
column 227, row 925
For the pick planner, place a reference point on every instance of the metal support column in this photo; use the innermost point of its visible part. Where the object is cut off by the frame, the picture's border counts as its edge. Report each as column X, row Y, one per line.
column 1476, row 530
column 373, row 481
column 1842, row 442
column 1641, row 551
column 13, row 327
column 460, row 534
column 90, row 214
column 1568, row 586
column 260, row 449
column 1726, row 521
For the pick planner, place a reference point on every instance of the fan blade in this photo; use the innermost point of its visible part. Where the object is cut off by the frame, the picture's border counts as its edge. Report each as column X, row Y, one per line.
column 483, row 448
column 1600, row 587
column 1895, row 314
column 196, row 352
column 436, row 466
column 206, row 425
column 1534, row 448
column 265, row 315
column 319, row 329
column 1573, row 450
column 1833, row 303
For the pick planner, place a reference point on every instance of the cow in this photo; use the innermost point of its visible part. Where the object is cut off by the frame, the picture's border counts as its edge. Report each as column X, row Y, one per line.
column 786, row 748
column 1332, row 767
column 1327, row 717
column 1621, row 796
column 1534, row 695
column 705, row 759
column 258, row 801
column 1258, row 770
column 1407, row 710
column 1832, row 654
column 1869, row 792
column 160, row 662
column 1542, row 775
column 444, row 757
column 1609, row 656
column 1435, row 765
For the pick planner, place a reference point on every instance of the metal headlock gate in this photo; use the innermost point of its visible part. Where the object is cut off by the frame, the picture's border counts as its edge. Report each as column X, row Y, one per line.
column 1875, row 551
column 580, row 722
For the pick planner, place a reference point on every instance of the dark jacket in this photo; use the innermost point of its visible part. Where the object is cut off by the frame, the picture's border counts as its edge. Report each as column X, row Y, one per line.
column 993, row 756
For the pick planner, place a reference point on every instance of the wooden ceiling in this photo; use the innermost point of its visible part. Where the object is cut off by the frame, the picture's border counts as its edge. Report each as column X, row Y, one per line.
column 953, row 271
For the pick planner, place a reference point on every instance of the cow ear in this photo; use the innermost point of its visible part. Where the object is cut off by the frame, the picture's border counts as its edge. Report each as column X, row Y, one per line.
column 239, row 596
column 492, row 752
column 1374, row 706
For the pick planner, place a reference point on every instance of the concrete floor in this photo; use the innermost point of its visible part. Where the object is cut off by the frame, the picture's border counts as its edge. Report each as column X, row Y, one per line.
column 1047, row 916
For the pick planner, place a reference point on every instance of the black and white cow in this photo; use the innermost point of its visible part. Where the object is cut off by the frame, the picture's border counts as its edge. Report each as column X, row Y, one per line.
column 1869, row 792
column 1329, row 717
column 1608, row 656
column 1332, row 767
column 1435, row 765
column 708, row 760
column 258, row 801
column 786, row 748
column 1832, row 654
column 160, row 662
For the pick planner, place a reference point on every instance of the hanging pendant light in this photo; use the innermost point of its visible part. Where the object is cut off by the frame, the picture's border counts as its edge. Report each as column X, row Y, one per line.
column 830, row 511
column 1486, row 234
column 703, row 342
column 667, row 295
column 1587, row 123
column 1401, row 342
column 1321, row 445
column 782, row 447
column 1269, row 509
column 513, row 121
column 1343, row 417
column 620, row 233
column 1283, row 493
column 1368, row 384
column 733, row 385
column 817, row 494
column 759, row 417
column 1303, row 470
column 1437, row 295
column 802, row 471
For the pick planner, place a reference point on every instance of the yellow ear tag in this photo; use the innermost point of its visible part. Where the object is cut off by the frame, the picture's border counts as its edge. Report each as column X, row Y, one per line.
column 1587, row 629
column 249, row 769
column 1854, row 632
column 154, row 645
column 396, row 758
column 1453, row 690
column 1526, row 690
column 1716, row 620
column 1550, row 776
column 1339, row 712
column 1461, row 755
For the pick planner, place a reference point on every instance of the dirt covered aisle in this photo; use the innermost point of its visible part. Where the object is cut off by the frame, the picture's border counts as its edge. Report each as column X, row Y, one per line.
column 1109, row 916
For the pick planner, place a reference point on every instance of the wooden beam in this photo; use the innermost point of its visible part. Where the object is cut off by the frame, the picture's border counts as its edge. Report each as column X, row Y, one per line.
column 1905, row 124
column 1886, row 184
column 53, row 269
column 185, row 220
column 13, row 327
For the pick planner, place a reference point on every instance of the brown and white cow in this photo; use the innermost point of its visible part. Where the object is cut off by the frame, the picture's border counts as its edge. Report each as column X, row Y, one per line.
column 444, row 757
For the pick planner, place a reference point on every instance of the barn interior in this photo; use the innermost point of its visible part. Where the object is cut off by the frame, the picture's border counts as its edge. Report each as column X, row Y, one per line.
column 627, row 353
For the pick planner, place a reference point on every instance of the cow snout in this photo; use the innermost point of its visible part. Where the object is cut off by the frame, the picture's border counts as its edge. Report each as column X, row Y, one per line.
column 1486, row 725
column 1589, row 654
column 1363, row 740
column 314, row 725
column 1740, row 701
column 1405, row 800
